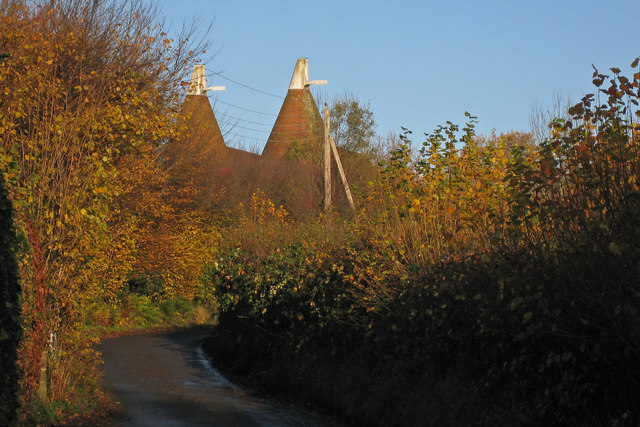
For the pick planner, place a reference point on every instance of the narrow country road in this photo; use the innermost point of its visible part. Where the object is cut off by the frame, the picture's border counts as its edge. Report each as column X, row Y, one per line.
column 164, row 379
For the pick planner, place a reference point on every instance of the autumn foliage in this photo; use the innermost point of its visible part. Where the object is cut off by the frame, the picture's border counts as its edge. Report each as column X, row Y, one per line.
column 486, row 281
column 89, row 91
column 483, row 280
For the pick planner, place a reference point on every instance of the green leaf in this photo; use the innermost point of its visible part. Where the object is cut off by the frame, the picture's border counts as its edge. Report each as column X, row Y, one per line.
column 515, row 303
column 615, row 248
column 527, row 317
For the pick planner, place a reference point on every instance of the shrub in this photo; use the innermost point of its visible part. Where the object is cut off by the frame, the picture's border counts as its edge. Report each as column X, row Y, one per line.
column 173, row 307
column 10, row 331
column 493, row 279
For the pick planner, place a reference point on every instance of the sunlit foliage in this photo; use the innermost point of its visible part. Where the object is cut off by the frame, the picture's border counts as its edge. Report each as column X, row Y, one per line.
column 487, row 281
column 88, row 90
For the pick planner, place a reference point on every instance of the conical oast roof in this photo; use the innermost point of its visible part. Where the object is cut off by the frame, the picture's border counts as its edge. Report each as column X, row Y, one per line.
column 202, row 129
column 194, row 155
column 299, row 130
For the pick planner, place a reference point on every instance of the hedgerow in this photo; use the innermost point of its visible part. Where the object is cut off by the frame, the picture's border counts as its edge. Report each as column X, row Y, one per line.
column 487, row 281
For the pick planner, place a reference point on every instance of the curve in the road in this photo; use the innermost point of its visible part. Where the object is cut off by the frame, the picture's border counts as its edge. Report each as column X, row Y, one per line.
column 163, row 379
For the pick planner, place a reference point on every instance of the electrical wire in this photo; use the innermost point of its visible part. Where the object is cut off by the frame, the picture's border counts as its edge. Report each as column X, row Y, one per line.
column 279, row 128
column 249, row 87
column 260, row 112
column 245, row 109
column 246, row 128
column 245, row 136
column 224, row 115
column 270, row 140
column 279, row 133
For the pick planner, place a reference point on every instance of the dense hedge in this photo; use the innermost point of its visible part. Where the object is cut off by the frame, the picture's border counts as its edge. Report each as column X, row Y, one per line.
column 487, row 281
column 512, row 340
column 9, row 311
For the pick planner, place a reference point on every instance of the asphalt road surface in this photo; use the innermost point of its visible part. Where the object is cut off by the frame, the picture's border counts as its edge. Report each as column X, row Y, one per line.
column 164, row 379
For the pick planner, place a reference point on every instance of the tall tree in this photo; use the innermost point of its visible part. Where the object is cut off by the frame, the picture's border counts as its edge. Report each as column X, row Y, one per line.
column 540, row 119
column 353, row 124
column 88, row 85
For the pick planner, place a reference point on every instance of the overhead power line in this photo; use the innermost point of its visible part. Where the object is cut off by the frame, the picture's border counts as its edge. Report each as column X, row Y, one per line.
column 247, row 137
column 257, row 112
column 272, row 140
column 240, row 119
column 227, row 120
column 251, row 129
column 249, row 87
column 278, row 130
column 245, row 109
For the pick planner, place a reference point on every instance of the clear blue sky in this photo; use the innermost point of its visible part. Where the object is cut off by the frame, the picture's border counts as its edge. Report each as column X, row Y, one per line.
column 418, row 63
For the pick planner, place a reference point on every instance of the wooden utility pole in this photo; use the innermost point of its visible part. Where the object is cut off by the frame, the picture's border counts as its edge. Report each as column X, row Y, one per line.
column 329, row 146
column 347, row 190
column 327, row 158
